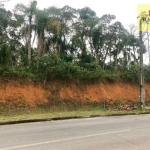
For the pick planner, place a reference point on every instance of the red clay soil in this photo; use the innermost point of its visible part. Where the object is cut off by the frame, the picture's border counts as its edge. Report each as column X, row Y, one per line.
column 31, row 94
column 28, row 93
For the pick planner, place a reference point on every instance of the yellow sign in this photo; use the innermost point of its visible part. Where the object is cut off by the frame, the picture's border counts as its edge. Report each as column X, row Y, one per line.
column 143, row 17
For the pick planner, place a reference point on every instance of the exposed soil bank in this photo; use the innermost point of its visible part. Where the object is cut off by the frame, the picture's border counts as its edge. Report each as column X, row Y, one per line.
column 22, row 93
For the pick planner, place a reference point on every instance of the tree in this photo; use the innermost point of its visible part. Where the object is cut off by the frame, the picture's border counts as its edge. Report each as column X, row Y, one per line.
column 41, row 20
column 27, row 12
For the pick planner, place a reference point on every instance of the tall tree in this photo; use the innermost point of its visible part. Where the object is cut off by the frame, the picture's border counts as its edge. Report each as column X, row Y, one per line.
column 41, row 26
column 27, row 12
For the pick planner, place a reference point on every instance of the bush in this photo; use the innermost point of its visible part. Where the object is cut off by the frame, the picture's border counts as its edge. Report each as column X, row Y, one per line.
column 131, row 74
column 51, row 66
column 147, row 73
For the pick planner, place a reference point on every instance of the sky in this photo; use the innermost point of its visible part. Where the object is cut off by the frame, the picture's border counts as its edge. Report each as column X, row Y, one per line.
column 124, row 10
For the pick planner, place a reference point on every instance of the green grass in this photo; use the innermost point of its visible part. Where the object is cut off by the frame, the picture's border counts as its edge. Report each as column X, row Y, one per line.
column 48, row 114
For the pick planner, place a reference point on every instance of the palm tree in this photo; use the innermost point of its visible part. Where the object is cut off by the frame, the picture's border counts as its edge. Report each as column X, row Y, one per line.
column 27, row 12
column 41, row 22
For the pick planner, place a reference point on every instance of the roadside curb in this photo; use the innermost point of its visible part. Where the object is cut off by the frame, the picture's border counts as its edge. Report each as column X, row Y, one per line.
column 67, row 118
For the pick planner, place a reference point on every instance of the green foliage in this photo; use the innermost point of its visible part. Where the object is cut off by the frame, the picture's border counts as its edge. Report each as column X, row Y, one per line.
column 86, row 13
column 110, row 76
column 71, row 44
column 5, row 54
column 51, row 66
column 66, row 58
column 147, row 73
column 85, row 58
column 130, row 74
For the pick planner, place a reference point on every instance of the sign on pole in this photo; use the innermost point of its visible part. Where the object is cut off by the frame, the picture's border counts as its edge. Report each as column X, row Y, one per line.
column 144, row 15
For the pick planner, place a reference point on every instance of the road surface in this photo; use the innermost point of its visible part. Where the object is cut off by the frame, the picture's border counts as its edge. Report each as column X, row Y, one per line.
column 102, row 133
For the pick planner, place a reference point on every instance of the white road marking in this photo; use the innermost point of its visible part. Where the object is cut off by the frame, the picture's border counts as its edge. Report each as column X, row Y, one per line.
column 61, row 140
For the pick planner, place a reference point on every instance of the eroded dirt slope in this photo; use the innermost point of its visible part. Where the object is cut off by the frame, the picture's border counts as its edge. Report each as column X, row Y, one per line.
column 27, row 93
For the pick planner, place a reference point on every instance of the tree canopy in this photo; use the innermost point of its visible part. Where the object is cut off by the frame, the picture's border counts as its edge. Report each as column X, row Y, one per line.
column 65, row 42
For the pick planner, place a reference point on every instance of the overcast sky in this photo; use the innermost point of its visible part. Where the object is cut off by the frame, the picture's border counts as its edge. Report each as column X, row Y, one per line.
column 124, row 10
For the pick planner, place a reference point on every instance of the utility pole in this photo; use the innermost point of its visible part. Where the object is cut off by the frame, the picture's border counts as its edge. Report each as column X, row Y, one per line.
column 29, row 38
column 142, row 88
column 148, row 50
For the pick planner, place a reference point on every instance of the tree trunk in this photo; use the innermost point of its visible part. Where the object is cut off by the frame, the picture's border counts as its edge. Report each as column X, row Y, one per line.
column 105, row 57
column 97, row 56
column 40, row 43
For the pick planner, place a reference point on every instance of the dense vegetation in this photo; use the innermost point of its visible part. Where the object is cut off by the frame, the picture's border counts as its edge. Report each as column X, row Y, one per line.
column 66, row 43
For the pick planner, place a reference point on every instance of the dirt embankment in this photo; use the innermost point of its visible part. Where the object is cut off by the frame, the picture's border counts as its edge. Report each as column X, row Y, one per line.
column 27, row 93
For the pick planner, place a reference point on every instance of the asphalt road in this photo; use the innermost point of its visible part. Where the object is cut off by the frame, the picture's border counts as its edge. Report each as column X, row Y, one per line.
column 103, row 133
